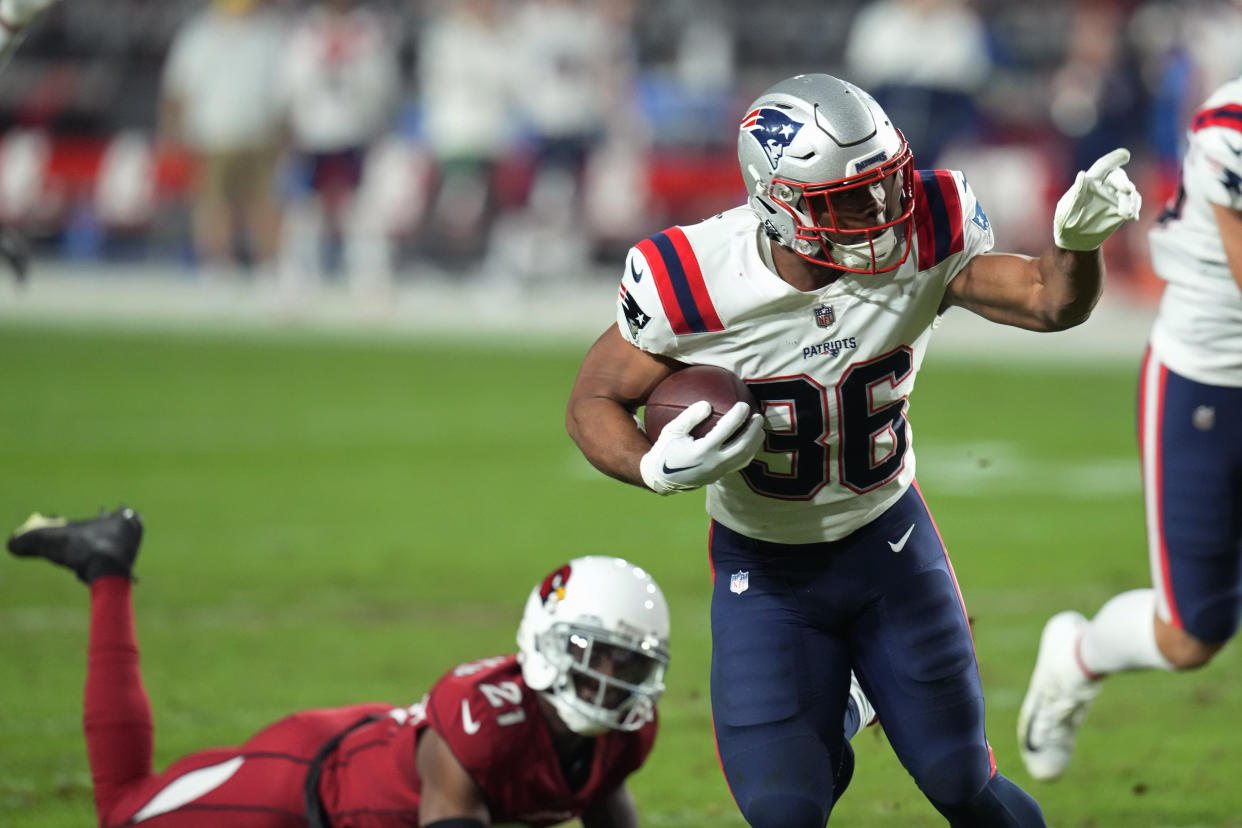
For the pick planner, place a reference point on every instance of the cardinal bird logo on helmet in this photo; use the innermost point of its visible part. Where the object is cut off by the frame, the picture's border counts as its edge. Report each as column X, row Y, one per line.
column 554, row 584
column 773, row 129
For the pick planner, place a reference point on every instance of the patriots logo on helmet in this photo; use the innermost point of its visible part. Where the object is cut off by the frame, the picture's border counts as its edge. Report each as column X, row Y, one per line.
column 773, row 129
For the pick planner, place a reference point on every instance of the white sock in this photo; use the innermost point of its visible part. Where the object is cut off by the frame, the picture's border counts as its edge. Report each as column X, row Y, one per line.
column 1122, row 636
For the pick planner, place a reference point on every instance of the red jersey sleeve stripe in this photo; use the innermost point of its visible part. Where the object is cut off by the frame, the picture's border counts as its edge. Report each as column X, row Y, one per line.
column 694, row 278
column 1227, row 116
column 667, row 298
column 679, row 282
column 937, row 216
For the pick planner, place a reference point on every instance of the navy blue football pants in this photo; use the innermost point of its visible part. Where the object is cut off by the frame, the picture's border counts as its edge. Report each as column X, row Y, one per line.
column 1191, row 441
column 789, row 622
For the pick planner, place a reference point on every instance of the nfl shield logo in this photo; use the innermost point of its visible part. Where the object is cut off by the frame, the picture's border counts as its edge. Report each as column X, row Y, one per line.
column 824, row 316
column 739, row 582
column 1204, row 418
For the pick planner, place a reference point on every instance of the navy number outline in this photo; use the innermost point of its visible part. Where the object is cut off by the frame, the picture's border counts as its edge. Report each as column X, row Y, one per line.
column 809, row 439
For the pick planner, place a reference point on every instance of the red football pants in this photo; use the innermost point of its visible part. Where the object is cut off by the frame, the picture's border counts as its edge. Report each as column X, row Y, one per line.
column 256, row 785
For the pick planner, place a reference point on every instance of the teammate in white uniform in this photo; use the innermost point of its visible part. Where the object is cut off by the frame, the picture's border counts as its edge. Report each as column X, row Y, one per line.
column 1190, row 424
column 821, row 297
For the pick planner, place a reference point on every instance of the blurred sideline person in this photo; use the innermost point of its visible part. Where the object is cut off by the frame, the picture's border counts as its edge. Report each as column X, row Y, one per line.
column 568, row 65
column 15, row 19
column 220, row 103
column 541, row 737
column 1190, row 442
column 340, row 84
column 821, row 294
column 930, row 92
column 466, row 93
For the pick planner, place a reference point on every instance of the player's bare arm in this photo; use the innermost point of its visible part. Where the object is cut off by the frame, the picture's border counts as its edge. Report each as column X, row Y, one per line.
column 1056, row 291
column 1060, row 288
column 614, row 380
column 448, row 791
column 617, row 810
column 1230, row 223
column 616, row 377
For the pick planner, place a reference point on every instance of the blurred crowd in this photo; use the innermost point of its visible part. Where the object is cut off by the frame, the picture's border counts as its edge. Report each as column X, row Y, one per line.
column 530, row 141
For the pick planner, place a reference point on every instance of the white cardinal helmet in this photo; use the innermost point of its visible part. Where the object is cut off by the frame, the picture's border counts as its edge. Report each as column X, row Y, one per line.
column 828, row 174
column 594, row 639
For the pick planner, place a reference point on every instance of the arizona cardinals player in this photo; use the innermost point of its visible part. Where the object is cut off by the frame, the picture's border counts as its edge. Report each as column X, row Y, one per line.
column 1190, row 439
column 536, row 738
column 821, row 295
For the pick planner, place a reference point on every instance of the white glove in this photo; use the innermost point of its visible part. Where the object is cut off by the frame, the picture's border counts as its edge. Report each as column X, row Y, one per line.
column 1101, row 200
column 678, row 462
column 15, row 14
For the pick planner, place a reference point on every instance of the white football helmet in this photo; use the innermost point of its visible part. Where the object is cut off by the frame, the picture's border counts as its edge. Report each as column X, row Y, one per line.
column 594, row 639
column 828, row 174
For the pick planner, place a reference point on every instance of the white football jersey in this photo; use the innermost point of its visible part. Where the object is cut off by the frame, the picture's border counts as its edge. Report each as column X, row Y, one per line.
column 1198, row 327
column 831, row 368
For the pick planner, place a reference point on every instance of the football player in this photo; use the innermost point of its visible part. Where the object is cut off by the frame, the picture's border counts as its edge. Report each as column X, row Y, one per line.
column 1190, row 441
column 537, row 738
column 821, row 295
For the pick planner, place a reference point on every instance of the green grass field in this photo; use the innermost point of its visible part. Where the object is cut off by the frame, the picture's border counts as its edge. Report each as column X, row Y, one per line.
column 333, row 520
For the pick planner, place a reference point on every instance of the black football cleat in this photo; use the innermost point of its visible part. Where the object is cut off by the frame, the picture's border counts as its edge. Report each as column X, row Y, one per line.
column 105, row 545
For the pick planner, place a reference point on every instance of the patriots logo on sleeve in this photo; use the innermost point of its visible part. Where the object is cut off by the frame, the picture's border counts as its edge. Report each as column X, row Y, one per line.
column 1232, row 181
column 773, row 129
column 981, row 218
column 635, row 316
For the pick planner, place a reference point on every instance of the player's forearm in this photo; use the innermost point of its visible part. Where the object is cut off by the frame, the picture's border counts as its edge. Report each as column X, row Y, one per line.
column 608, row 437
column 1070, row 285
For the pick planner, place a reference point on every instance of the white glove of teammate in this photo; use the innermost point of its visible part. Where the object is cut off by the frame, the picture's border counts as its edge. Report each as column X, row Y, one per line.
column 15, row 14
column 677, row 462
column 1101, row 200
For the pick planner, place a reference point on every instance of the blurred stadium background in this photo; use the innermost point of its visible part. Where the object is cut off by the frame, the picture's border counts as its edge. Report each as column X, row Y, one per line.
column 350, row 478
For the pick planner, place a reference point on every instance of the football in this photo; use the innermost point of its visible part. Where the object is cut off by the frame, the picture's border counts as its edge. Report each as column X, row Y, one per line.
column 680, row 389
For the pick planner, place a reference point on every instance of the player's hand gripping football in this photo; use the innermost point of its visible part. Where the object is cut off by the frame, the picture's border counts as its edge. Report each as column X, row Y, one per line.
column 1101, row 200
column 678, row 462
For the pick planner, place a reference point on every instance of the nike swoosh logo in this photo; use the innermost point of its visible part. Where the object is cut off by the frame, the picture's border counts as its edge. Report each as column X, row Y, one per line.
column 901, row 544
column 468, row 724
column 638, row 275
column 1235, row 151
column 1026, row 738
column 667, row 470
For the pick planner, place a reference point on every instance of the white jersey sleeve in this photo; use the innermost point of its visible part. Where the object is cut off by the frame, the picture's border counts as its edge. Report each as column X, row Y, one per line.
column 1198, row 327
column 951, row 227
column 637, row 300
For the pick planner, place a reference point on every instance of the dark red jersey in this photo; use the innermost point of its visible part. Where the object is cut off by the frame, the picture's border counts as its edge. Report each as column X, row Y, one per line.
column 489, row 719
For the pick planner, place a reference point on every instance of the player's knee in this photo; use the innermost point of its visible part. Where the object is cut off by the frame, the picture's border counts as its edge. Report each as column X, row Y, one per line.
column 1184, row 651
column 1000, row 804
column 954, row 776
column 786, row 810
column 1190, row 653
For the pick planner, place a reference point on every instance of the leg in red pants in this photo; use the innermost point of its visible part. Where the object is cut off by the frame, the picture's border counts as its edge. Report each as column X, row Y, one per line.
column 257, row 785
